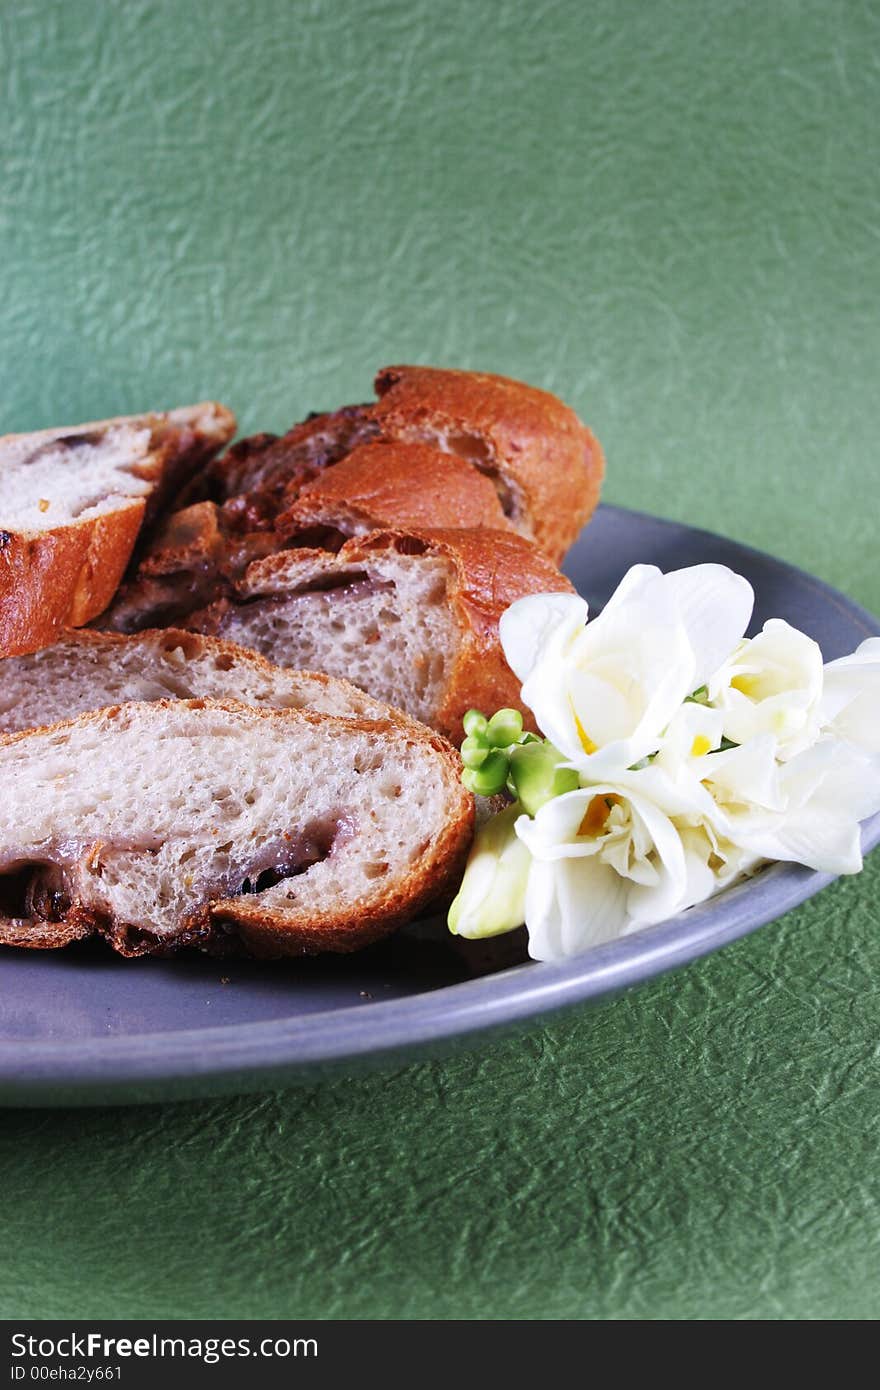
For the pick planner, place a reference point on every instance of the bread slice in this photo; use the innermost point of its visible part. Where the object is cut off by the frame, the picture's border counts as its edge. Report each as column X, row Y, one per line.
column 411, row 617
column 87, row 670
column 546, row 465
column 72, row 502
column 212, row 823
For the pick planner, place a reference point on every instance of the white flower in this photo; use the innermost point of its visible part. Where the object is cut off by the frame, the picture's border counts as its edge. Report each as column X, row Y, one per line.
column 604, row 861
column 850, row 705
column 604, row 693
column 747, row 799
column 771, row 684
column 712, row 862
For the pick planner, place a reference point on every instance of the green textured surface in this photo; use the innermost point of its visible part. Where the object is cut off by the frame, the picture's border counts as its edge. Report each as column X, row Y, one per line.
column 669, row 214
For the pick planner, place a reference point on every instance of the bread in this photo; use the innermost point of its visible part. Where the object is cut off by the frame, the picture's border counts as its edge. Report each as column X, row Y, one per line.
column 426, row 453
column 546, row 465
column 72, row 502
column 87, row 670
column 411, row 617
column 209, row 823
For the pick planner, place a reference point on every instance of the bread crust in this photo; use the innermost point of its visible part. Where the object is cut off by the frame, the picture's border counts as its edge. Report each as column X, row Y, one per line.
column 66, row 576
column 242, row 925
column 396, row 484
column 61, row 578
column 548, row 464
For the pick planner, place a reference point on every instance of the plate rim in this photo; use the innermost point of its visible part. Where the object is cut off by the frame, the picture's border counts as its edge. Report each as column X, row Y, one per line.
column 279, row 1050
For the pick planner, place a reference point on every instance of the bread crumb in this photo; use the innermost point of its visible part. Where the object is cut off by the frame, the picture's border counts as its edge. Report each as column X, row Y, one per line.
column 43, row 504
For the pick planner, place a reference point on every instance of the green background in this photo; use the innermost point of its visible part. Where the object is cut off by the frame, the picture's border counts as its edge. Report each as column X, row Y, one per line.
column 667, row 213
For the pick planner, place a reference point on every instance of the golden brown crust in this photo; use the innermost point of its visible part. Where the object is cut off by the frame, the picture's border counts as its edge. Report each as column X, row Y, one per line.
column 65, row 577
column 224, row 925
column 549, row 465
column 396, row 484
column 61, row 578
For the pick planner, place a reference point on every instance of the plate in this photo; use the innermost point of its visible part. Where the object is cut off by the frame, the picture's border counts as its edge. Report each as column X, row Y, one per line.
column 82, row 1026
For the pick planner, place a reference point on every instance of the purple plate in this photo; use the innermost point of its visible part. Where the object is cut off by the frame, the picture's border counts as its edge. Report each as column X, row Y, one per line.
column 81, row 1026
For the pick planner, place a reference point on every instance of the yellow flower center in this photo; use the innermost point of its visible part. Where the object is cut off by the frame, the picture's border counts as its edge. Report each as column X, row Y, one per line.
column 597, row 813
column 701, row 745
column 746, row 685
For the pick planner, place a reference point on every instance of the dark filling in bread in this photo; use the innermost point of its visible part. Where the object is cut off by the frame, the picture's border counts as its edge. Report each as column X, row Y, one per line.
column 298, row 852
column 34, row 892
column 317, row 537
column 65, row 441
column 354, row 584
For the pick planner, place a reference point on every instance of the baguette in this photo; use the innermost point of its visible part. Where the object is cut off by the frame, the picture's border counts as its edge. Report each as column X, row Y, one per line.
column 426, row 453
column 410, row 617
column 88, row 670
column 72, row 503
column 214, row 824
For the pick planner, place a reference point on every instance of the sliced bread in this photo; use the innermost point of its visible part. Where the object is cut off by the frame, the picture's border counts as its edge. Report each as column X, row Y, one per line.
column 208, row 823
column 87, row 670
column 431, row 451
column 72, row 502
column 411, row 617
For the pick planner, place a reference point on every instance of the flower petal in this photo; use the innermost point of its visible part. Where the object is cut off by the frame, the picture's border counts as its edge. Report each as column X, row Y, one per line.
column 491, row 898
column 826, row 791
column 715, row 605
column 772, row 684
column 850, row 702
column 571, row 905
column 533, row 623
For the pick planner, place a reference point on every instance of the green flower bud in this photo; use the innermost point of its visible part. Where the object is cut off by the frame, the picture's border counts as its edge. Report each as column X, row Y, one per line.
column 489, row 778
column 475, row 724
column 505, row 727
column 474, row 753
column 491, row 899
column 536, row 776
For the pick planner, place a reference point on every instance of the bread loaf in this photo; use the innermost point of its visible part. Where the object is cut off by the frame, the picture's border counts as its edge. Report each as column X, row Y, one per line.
column 440, row 448
column 545, row 464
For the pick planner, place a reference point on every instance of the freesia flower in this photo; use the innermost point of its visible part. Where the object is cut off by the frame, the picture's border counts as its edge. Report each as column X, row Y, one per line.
column 604, row 693
column 600, row 846
column 771, row 684
column 823, row 794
